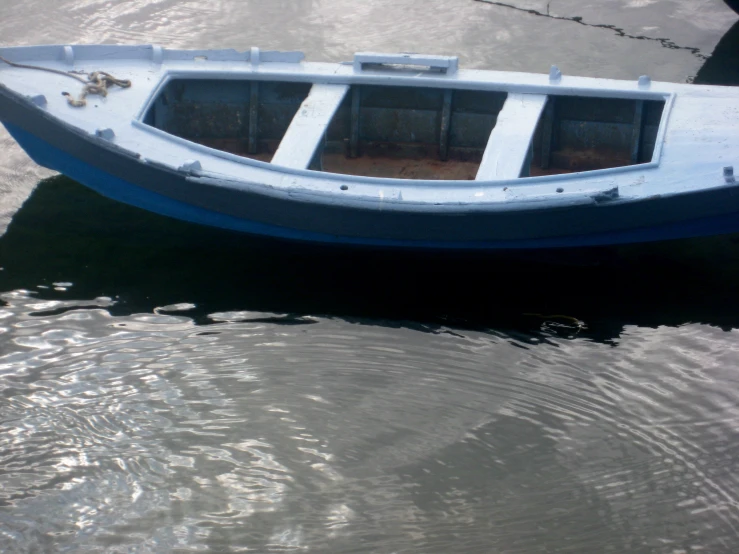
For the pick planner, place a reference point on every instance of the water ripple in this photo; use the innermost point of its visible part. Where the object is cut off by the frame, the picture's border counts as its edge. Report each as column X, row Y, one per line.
column 276, row 431
column 119, row 432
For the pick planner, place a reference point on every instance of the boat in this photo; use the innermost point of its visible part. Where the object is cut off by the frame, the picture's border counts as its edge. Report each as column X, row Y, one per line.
column 386, row 150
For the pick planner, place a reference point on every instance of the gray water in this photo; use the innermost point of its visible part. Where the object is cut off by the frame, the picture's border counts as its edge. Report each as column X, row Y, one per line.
column 168, row 388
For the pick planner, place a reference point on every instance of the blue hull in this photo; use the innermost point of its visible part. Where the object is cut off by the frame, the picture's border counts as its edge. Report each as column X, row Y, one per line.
column 129, row 193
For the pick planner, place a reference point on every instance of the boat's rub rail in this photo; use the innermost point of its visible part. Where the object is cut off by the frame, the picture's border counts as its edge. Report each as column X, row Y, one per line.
column 71, row 54
column 254, row 56
column 511, row 199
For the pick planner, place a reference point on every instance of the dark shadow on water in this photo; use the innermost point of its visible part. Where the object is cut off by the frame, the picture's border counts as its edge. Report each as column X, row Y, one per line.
column 65, row 232
column 722, row 68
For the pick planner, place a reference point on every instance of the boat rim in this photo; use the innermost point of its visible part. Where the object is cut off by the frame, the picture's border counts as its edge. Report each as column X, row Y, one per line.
column 169, row 75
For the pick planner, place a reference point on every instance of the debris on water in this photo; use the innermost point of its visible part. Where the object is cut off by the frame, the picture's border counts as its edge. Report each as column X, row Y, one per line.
column 181, row 307
column 559, row 321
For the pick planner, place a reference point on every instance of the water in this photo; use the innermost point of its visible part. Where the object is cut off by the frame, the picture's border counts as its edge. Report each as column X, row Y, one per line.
column 168, row 388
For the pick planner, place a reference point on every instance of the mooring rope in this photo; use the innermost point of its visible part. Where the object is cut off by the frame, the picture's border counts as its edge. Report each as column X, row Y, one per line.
column 96, row 82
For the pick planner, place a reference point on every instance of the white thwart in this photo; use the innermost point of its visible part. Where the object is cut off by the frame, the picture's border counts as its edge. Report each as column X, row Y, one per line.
column 510, row 141
column 309, row 125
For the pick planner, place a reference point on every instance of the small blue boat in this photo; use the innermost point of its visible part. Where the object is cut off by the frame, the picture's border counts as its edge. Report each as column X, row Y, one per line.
column 389, row 150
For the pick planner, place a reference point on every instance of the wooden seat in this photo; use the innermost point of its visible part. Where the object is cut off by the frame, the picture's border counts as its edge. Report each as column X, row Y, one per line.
column 509, row 147
column 307, row 128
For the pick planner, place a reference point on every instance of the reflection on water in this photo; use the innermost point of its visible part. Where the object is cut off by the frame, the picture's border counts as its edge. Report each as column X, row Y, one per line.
column 170, row 388
column 66, row 233
column 151, row 432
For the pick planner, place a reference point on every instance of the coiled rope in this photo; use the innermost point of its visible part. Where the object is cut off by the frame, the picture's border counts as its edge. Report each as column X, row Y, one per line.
column 96, row 82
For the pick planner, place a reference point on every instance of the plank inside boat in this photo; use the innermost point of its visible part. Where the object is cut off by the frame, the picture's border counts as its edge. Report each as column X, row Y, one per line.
column 408, row 132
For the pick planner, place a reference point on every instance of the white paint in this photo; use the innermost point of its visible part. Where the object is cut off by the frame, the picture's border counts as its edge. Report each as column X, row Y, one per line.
column 510, row 141
column 309, row 125
column 69, row 55
column 39, row 100
column 555, row 75
column 107, row 133
column 190, row 166
column 447, row 64
column 157, row 54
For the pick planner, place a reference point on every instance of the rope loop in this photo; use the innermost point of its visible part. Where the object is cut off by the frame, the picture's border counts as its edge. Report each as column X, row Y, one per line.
column 96, row 82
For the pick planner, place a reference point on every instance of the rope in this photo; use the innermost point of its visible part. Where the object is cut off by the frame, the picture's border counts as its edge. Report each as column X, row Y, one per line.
column 58, row 72
column 96, row 82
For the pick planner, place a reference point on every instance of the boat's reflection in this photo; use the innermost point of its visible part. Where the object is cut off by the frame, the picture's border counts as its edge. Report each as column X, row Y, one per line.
column 64, row 232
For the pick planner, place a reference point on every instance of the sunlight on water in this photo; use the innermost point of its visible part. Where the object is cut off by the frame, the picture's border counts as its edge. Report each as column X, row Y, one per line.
column 150, row 431
column 167, row 388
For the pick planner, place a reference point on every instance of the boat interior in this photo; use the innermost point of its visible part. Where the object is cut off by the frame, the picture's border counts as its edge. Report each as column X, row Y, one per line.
column 408, row 132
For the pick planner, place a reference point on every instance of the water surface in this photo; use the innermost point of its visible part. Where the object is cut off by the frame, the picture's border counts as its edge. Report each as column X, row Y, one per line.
column 169, row 388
